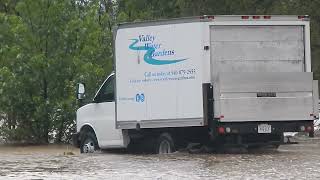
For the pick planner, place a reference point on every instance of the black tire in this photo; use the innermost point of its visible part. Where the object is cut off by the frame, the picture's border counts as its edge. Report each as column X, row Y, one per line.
column 135, row 147
column 276, row 146
column 311, row 134
column 89, row 143
column 165, row 144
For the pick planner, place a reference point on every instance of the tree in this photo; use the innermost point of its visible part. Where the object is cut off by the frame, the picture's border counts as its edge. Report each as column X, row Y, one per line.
column 49, row 46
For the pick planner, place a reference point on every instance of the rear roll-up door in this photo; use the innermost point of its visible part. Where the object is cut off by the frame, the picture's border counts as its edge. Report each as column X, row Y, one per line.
column 257, row 48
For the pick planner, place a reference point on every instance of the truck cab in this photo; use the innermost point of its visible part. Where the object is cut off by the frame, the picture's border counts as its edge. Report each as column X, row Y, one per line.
column 96, row 120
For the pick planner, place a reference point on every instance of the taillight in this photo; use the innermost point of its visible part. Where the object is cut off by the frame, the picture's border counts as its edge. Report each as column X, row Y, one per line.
column 255, row 17
column 244, row 17
column 266, row 17
column 309, row 129
column 221, row 130
column 306, row 128
column 305, row 17
column 207, row 17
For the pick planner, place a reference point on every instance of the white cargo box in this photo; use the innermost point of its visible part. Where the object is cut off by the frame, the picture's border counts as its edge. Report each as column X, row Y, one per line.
column 159, row 75
column 161, row 66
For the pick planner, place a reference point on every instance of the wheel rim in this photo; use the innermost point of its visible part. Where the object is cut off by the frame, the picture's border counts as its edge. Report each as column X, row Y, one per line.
column 164, row 147
column 88, row 146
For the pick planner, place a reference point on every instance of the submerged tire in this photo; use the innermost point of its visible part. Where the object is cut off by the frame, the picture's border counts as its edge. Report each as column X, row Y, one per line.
column 263, row 147
column 165, row 144
column 89, row 143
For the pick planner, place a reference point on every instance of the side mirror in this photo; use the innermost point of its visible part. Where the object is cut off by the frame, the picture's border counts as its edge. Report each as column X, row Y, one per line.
column 81, row 91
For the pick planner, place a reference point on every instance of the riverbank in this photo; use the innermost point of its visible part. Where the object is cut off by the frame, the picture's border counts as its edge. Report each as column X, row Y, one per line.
column 25, row 149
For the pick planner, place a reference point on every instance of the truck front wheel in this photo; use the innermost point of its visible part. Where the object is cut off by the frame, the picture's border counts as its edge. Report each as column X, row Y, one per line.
column 165, row 144
column 89, row 143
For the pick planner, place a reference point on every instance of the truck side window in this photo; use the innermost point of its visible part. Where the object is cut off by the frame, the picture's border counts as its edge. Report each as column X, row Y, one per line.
column 106, row 93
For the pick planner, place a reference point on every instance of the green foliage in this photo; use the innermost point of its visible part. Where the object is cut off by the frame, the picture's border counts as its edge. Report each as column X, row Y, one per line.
column 47, row 46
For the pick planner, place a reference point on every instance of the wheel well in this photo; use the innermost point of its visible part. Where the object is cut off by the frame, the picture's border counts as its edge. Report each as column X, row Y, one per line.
column 84, row 129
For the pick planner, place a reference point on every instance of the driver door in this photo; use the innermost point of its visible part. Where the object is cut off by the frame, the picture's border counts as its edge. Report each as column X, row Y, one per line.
column 104, row 116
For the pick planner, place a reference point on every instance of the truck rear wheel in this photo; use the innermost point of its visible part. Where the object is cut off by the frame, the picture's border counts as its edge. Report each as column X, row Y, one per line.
column 89, row 143
column 263, row 147
column 165, row 144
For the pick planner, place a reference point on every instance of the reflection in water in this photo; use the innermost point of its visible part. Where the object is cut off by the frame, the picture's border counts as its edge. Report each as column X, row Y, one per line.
column 51, row 162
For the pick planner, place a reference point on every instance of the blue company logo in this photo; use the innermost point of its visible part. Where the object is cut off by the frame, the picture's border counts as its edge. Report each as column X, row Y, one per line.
column 140, row 97
column 151, row 48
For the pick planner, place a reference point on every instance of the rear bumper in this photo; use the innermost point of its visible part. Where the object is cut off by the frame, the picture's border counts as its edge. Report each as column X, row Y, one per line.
column 277, row 127
column 246, row 133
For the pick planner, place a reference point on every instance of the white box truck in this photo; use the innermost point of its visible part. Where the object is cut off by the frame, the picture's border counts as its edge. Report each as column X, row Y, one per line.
column 209, row 79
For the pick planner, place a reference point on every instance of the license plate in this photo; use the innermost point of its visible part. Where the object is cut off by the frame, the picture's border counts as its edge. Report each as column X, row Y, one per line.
column 264, row 128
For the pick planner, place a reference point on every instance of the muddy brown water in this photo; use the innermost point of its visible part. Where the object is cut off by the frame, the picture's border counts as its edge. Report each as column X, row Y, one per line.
column 299, row 161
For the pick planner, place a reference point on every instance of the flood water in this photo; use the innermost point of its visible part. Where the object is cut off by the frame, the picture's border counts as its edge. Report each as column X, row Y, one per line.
column 298, row 161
